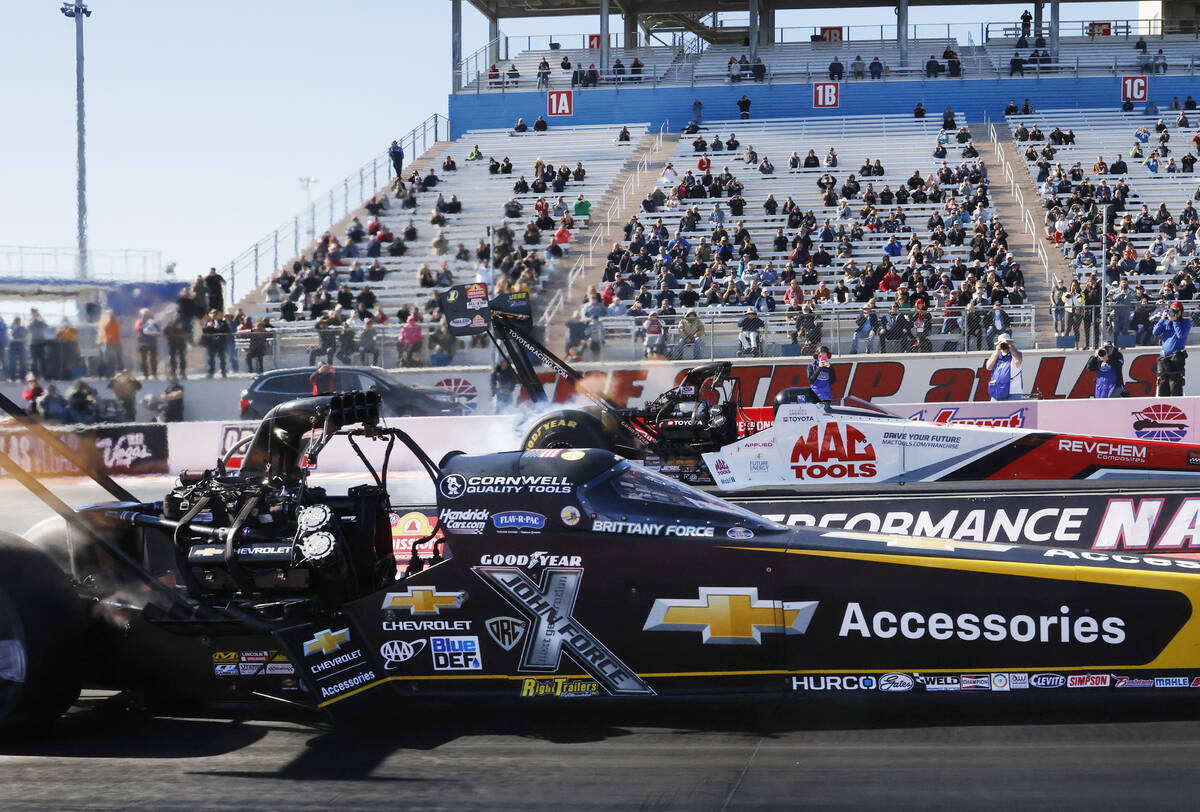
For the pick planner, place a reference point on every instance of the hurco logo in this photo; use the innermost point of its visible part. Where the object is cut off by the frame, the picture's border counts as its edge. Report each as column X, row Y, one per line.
column 424, row 600
column 828, row 454
column 327, row 641
column 729, row 615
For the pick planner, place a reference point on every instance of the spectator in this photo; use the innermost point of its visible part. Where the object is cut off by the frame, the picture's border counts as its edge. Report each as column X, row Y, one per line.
column 691, row 334
column 1016, row 66
column 858, row 68
column 1000, row 322
column 748, row 336
column 932, row 68
column 396, row 153
column 173, row 401
column 410, row 342
column 257, row 346
column 1108, row 363
column 876, row 70
column 836, row 70
column 919, row 110
column 758, row 70
column 866, row 327
column 520, row 126
column 111, row 359
column 654, row 331
column 540, row 126
column 821, row 377
column 18, row 336
column 147, row 339
column 948, row 119
column 697, row 111
column 124, row 386
column 38, row 336
column 743, row 105
column 214, row 288
column 1160, row 62
column 215, row 335
column 1004, row 363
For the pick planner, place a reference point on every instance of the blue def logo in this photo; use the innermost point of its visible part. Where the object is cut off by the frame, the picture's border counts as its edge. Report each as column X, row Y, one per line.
column 455, row 654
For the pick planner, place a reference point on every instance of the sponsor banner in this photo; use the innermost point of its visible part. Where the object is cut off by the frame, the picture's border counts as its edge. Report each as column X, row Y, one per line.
column 121, row 448
column 1163, row 523
column 930, row 379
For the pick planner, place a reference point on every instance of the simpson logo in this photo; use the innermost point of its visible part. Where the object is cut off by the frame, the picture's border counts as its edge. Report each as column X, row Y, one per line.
column 327, row 641
column 1171, row 682
column 829, row 454
column 938, row 682
column 424, row 600
column 1047, row 680
column 1088, row 680
column 506, row 631
column 455, row 654
column 896, row 682
column 973, row 682
column 549, row 606
column 519, row 520
column 729, row 616
column 395, row 652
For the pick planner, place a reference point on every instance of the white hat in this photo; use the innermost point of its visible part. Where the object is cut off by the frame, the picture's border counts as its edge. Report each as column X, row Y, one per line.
column 1003, row 338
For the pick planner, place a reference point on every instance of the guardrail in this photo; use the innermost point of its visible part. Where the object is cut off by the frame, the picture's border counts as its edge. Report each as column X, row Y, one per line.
column 246, row 271
column 624, row 336
column 120, row 265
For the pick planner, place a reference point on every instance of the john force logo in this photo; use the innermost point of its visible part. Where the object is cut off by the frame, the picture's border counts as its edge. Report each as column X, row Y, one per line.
column 730, row 616
column 549, row 607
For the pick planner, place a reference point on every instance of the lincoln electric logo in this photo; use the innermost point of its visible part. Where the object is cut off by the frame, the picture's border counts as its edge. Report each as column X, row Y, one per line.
column 827, row 453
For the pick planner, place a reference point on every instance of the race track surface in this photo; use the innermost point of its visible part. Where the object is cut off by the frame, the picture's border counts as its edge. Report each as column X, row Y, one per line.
column 962, row 752
column 558, row 757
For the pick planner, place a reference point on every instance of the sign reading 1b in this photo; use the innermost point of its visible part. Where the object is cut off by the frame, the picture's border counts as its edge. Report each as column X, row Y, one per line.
column 1134, row 88
column 825, row 94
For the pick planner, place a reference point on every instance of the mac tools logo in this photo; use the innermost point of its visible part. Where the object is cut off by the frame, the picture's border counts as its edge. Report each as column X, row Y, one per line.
column 830, row 454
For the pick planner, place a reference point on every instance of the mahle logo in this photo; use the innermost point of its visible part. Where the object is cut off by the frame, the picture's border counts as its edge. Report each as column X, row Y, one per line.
column 826, row 453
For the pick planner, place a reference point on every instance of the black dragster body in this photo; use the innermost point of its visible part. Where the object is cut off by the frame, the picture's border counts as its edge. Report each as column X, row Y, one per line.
column 563, row 574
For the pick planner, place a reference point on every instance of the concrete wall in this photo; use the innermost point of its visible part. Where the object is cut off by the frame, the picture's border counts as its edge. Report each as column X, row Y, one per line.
column 673, row 105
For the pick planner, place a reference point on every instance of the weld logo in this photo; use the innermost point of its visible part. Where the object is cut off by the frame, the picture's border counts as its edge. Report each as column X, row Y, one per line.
column 827, row 453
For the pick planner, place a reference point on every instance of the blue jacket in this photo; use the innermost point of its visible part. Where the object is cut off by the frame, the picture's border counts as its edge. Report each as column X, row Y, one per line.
column 1172, row 334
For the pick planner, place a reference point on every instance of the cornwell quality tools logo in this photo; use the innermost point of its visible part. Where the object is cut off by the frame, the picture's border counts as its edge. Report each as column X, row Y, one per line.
column 549, row 606
column 730, row 616
column 424, row 600
column 327, row 641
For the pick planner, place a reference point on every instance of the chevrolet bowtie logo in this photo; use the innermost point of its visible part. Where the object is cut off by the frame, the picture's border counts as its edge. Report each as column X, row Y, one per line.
column 424, row 600
column 327, row 641
column 730, row 615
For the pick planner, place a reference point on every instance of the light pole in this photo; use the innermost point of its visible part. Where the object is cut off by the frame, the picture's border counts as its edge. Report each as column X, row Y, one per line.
column 77, row 11
column 307, row 183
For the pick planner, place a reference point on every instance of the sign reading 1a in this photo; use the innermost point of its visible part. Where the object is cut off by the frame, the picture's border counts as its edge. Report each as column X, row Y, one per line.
column 560, row 103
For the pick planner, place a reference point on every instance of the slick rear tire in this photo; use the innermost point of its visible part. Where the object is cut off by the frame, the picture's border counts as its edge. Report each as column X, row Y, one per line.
column 42, row 624
column 566, row 429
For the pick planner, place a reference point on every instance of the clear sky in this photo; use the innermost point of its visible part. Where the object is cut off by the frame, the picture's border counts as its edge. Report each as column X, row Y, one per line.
column 203, row 116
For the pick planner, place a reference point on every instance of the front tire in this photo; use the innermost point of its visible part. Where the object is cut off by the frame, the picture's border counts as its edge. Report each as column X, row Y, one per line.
column 42, row 625
column 569, row 428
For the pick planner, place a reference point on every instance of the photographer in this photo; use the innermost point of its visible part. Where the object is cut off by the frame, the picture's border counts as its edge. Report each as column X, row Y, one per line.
column 1172, row 330
column 1005, row 365
column 821, row 377
column 1109, row 364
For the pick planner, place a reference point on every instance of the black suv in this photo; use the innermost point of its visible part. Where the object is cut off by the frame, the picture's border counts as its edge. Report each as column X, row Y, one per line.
column 398, row 399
